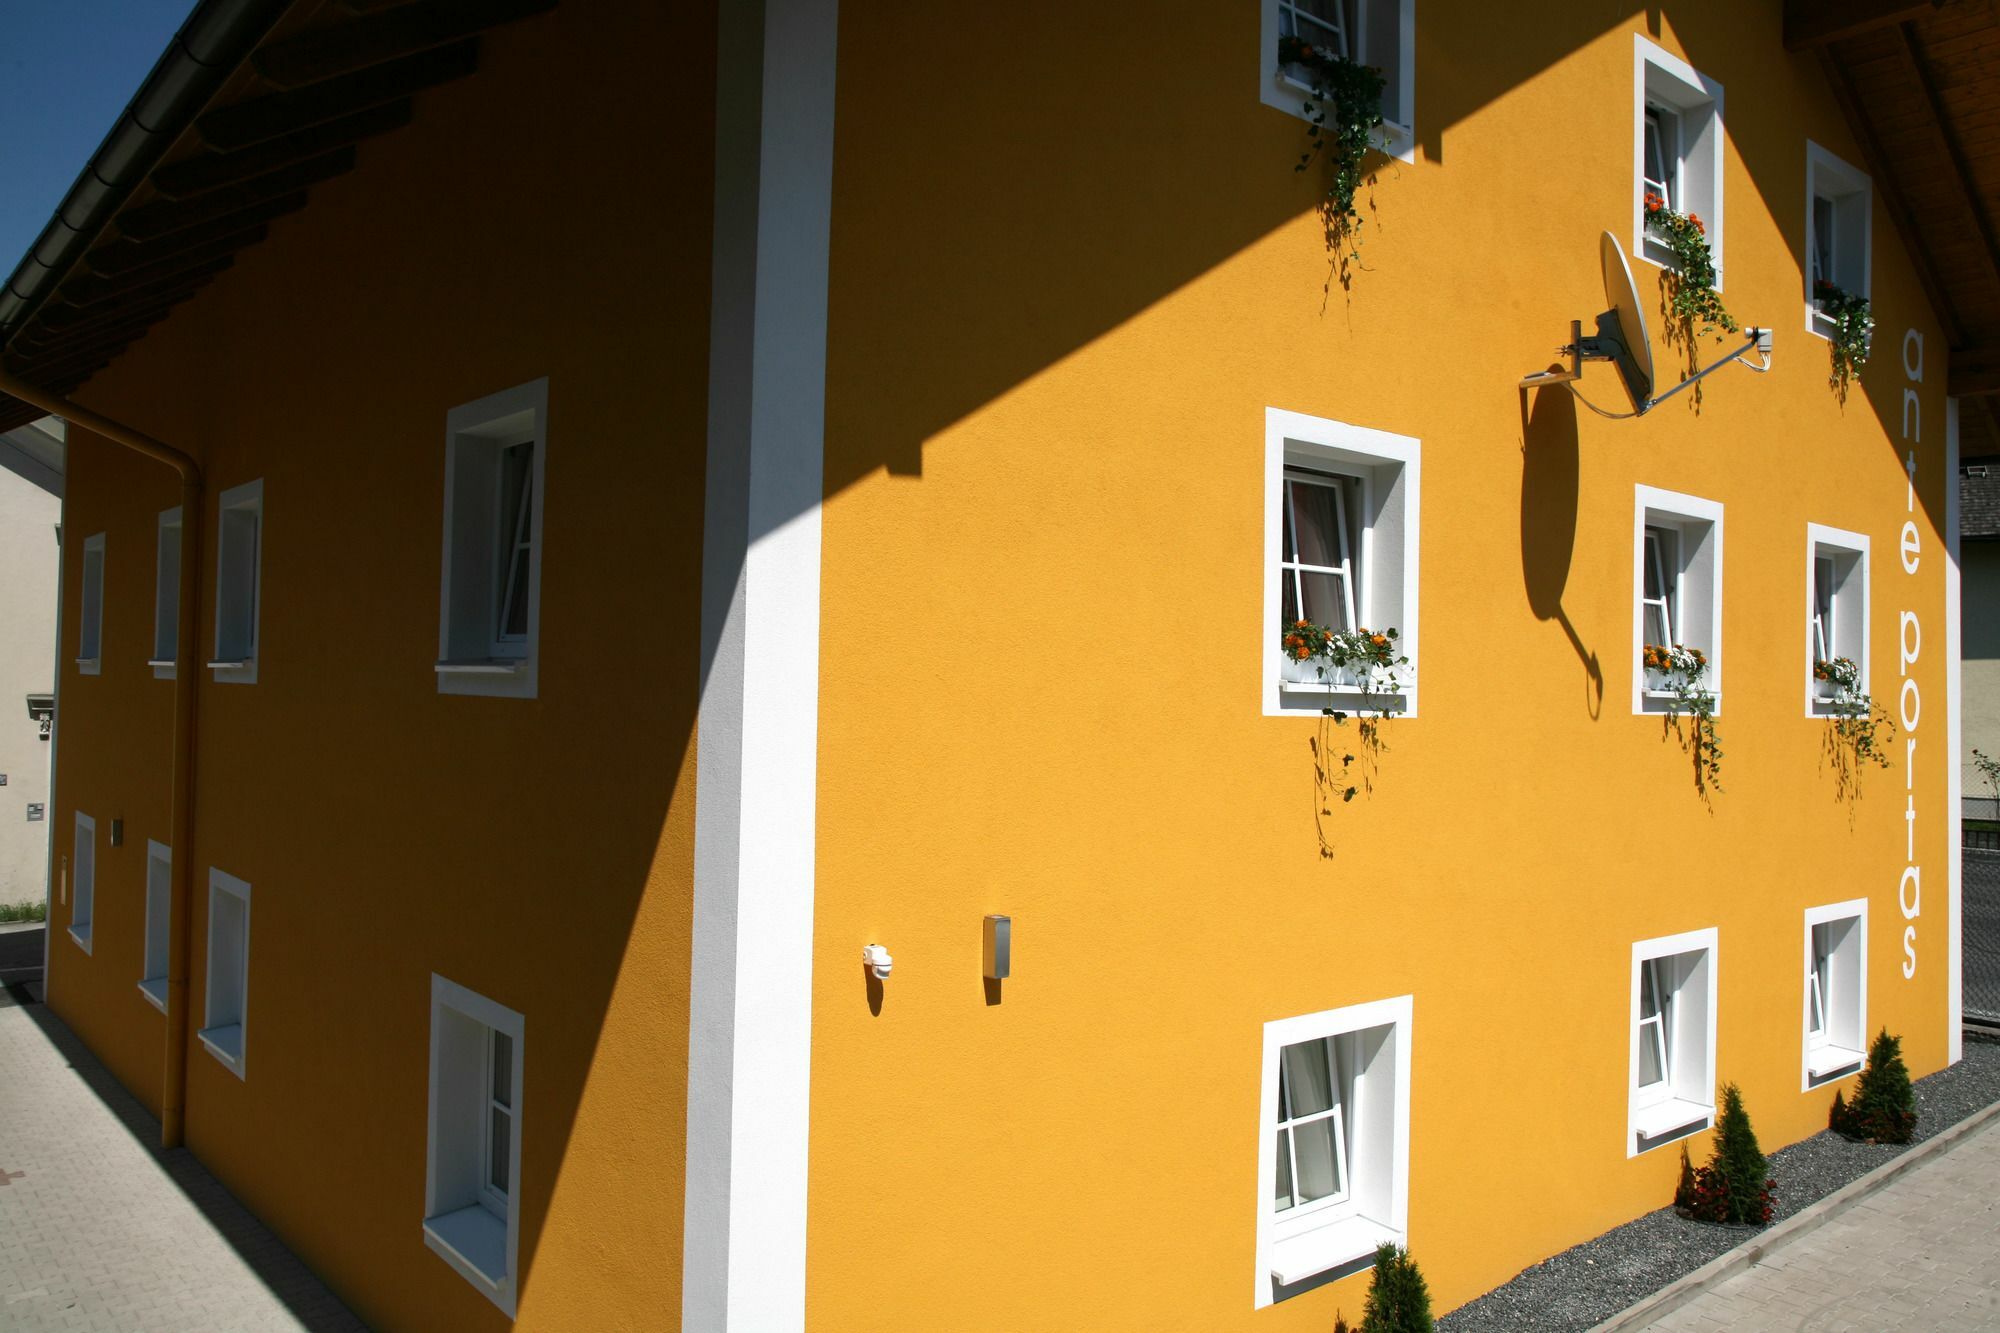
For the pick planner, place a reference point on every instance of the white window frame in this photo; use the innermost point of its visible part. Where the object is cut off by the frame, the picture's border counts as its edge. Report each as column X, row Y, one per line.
column 1375, row 1206
column 1841, row 1047
column 159, row 907
column 167, row 549
column 1683, row 1103
column 1661, row 78
column 1848, row 553
column 226, row 1034
column 1699, row 523
column 463, row 1217
column 90, row 618
column 238, row 631
column 1390, row 468
column 1280, row 89
column 1851, row 192
column 473, row 656
column 83, row 881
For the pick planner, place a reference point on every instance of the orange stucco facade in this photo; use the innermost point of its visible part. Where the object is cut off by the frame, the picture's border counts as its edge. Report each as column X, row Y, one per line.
column 536, row 851
column 1068, row 278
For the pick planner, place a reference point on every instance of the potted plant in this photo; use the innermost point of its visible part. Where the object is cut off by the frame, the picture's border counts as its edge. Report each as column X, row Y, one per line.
column 1667, row 667
column 1831, row 679
column 1853, row 330
column 1351, row 659
column 1343, row 120
column 1691, row 281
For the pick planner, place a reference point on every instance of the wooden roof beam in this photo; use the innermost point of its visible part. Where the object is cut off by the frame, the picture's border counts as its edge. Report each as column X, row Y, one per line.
column 209, row 171
column 344, row 48
column 85, row 290
column 124, row 256
column 1911, row 57
column 63, row 310
column 229, row 128
column 1975, row 371
column 149, row 222
column 1880, row 167
column 1810, row 23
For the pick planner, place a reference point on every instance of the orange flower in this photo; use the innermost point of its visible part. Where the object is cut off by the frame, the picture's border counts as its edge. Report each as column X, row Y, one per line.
column 1377, row 640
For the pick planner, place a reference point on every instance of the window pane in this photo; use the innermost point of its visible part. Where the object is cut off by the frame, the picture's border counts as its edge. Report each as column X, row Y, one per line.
column 1326, row 600
column 1283, row 1195
column 512, row 527
column 503, row 1069
column 514, row 625
column 502, row 1143
column 1309, row 1077
column 1649, row 995
column 1823, row 239
column 1652, row 1053
column 1316, row 510
column 1319, row 1167
column 1320, row 22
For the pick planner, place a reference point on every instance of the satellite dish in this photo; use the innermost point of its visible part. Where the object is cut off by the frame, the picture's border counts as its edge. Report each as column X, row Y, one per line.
column 1623, row 326
column 1623, row 340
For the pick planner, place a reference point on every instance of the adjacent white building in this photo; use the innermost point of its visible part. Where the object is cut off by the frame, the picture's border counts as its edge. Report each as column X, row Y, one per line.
column 31, row 477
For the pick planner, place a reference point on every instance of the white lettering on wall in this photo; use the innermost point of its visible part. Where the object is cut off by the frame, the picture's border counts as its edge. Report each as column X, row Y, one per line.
column 1910, row 643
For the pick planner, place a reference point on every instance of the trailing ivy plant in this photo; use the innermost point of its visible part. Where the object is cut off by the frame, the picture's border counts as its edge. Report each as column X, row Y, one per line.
column 1681, row 670
column 1853, row 330
column 1861, row 727
column 1343, row 121
column 1371, row 663
column 1690, row 283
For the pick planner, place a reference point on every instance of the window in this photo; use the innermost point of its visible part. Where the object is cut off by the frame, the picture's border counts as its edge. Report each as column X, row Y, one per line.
column 1672, row 1082
column 1381, row 33
column 1836, row 610
column 1839, row 216
column 90, row 623
column 82, row 879
column 1836, row 1009
column 238, row 592
column 1677, row 588
column 474, row 1162
column 490, row 604
column 223, row 1019
column 1341, row 530
column 1677, row 148
column 1333, row 1142
column 159, row 902
column 167, row 596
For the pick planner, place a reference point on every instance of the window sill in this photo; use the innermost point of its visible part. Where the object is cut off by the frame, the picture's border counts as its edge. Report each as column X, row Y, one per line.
column 163, row 667
column 231, row 664
column 473, row 1241
column 1663, row 1122
column 81, row 934
column 155, row 991
column 1311, row 1253
column 89, row 666
column 486, row 666
column 1825, row 1063
column 225, row 1043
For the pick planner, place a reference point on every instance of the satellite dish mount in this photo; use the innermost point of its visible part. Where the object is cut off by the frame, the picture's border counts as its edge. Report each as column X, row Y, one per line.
column 1622, row 339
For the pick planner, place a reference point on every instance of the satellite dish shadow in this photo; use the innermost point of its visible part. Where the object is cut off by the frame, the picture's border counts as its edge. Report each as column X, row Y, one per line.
column 1550, row 471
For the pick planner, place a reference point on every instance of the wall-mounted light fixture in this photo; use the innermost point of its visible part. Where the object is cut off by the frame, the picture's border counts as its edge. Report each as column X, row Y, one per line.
column 877, row 960
column 999, row 949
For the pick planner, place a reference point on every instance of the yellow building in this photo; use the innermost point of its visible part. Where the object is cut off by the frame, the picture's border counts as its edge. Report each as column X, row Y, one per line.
column 662, row 498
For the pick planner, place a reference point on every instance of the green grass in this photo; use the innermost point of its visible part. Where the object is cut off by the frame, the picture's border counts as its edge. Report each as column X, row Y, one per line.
column 10, row 912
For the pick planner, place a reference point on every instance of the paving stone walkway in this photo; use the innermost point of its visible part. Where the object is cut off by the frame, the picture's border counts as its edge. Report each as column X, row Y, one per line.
column 1921, row 1253
column 101, row 1231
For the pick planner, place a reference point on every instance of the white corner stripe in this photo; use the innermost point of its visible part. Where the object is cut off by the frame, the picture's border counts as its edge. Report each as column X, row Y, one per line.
column 750, row 1026
column 1954, row 750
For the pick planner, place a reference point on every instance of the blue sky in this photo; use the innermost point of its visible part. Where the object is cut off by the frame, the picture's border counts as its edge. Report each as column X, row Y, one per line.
column 67, row 68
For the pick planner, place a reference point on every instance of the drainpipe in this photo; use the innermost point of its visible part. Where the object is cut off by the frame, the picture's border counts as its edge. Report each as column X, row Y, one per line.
column 173, row 1090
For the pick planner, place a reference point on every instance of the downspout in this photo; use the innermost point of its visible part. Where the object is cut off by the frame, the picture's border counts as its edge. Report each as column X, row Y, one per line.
column 173, row 1087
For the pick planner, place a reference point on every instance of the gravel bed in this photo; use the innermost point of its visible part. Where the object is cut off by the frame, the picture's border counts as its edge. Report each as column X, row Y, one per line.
column 1582, row 1287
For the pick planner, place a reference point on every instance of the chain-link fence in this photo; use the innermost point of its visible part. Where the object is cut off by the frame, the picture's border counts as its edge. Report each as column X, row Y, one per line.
column 1982, row 934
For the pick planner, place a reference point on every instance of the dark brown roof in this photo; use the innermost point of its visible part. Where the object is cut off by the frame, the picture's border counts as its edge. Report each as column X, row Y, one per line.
column 255, row 103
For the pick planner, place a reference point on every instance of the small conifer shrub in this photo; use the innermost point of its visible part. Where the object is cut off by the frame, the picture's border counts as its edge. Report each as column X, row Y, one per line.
column 1884, row 1109
column 1398, row 1299
column 1735, row 1186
